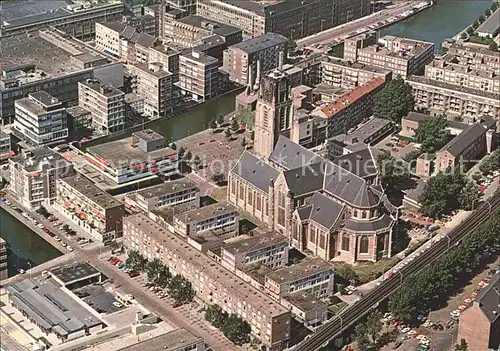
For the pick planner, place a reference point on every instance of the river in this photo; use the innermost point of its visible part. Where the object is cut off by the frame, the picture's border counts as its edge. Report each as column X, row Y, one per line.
column 443, row 20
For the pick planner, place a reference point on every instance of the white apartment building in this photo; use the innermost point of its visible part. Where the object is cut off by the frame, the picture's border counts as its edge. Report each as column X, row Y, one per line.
column 154, row 84
column 178, row 192
column 41, row 119
column 199, row 76
column 269, row 249
column 106, row 104
column 33, row 176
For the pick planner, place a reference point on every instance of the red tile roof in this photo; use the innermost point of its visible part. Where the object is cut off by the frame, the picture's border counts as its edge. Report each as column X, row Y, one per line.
column 352, row 96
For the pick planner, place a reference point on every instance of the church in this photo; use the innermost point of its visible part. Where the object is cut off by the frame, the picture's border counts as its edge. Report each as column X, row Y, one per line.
column 333, row 209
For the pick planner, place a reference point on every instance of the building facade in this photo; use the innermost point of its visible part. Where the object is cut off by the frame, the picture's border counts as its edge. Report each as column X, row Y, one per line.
column 155, row 84
column 3, row 260
column 89, row 207
column 41, row 119
column 174, row 193
column 269, row 321
column 199, row 76
column 345, row 74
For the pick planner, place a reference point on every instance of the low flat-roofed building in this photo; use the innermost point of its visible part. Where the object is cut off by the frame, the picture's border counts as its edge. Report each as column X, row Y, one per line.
column 306, row 308
column 269, row 321
column 176, row 340
column 220, row 218
column 489, row 28
column 177, row 192
column 411, row 201
column 312, row 275
column 53, row 310
column 270, row 249
column 33, row 176
column 143, row 155
column 26, row 69
column 370, row 132
column 75, row 275
column 92, row 209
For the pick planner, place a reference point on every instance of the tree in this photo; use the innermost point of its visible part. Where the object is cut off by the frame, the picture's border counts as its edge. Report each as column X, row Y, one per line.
column 220, row 120
column 43, row 211
column 246, row 117
column 188, row 155
column 361, row 337
column 180, row 289
column 394, row 101
column 164, row 277
column 173, row 146
column 490, row 163
column 236, row 329
column 481, row 19
column 227, row 133
column 469, row 196
column 462, row 346
column 494, row 6
column 153, row 269
column 135, row 261
column 182, row 151
column 235, row 124
column 196, row 160
column 463, row 35
column 347, row 273
column 341, row 289
column 389, row 170
column 212, row 124
column 252, row 135
column 475, row 25
column 487, row 13
column 432, row 134
column 292, row 45
column 215, row 316
column 493, row 46
column 374, row 324
column 470, row 30
column 412, row 155
column 244, row 142
column 218, row 178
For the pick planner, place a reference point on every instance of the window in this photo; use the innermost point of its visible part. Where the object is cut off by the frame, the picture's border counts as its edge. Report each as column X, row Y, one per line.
column 363, row 244
column 345, row 243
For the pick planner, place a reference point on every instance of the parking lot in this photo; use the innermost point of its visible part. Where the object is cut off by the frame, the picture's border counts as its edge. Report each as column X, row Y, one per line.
column 98, row 298
column 397, row 148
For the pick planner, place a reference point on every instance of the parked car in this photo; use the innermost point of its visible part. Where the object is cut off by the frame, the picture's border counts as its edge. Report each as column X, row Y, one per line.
column 117, row 304
column 69, row 248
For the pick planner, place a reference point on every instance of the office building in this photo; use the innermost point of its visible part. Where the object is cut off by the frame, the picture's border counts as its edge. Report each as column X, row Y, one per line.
column 142, row 156
column 106, row 104
column 402, row 56
column 5, row 145
column 269, row 321
column 254, row 57
column 33, row 176
column 41, row 119
column 269, row 249
column 371, row 132
column 175, row 340
column 294, row 19
column 26, row 69
column 154, row 83
column 167, row 57
column 77, row 20
column 89, row 207
column 199, row 76
column 181, row 192
column 3, row 260
column 479, row 323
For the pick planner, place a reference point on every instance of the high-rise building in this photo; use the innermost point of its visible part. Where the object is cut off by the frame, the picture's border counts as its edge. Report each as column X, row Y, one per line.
column 154, row 83
column 199, row 75
column 41, row 119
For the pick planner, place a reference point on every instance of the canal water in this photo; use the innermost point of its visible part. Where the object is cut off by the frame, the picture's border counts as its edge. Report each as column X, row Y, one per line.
column 25, row 248
column 443, row 20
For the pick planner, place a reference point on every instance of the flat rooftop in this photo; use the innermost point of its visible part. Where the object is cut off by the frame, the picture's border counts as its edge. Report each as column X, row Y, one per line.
column 74, row 272
column 368, row 129
column 167, row 188
column 171, row 341
column 261, row 42
column 51, row 308
column 355, row 65
column 17, row 9
column 119, row 153
column 210, row 211
column 305, row 302
column 34, row 159
column 303, row 269
column 491, row 24
column 103, row 89
column 91, row 192
column 255, row 243
column 235, row 286
column 199, row 57
column 210, row 25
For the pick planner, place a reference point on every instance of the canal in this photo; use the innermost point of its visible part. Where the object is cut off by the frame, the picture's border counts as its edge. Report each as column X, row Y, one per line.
column 443, row 20
column 25, row 248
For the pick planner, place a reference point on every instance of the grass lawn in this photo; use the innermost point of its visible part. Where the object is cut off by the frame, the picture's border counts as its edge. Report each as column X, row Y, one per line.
column 368, row 271
column 335, row 308
column 219, row 194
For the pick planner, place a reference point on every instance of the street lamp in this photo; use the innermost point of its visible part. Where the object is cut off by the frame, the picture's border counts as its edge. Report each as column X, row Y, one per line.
column 29, row 263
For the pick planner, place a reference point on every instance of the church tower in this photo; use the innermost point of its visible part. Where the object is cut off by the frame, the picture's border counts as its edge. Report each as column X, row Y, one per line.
column 274, row 112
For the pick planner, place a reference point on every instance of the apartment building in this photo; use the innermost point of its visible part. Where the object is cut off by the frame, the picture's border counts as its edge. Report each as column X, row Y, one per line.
column 155, row 84
column 349, row 75
column 167, row 57
column 475, row 55
column 77, row 20
column 269, row 249
column 254, row 57
column 33, row 176
column 312, row 275
column 440, row 98
column 221, row 218
column 402, row 56
column 40, row 119
column 199, row 76
column 143, row 156
column 470, row 145
column 5, row 145
column 89, row 207
column 294, row 19
column 175, row 340
column 3, row 260
column 371, row 132
column 352, row 108
column 269, row 321
column 106, row 104
column 188, row 31
column 26, row 69
column 174, row 193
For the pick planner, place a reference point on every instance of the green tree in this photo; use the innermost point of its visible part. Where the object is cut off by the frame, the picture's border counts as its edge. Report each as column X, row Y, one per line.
column 197, row 160
column 43, row 211
column 490, row 162
column 180, row 289
column 244, row 142
column 218, row 178
column 347, row 273
column 463, row 35
column 153, row 269
column 228, row 133
column 236, row 329
column 412, row 155
column 394, row 101
column 481, row 19
column 235, row 125
column 135, row 260
column 361, row 337
column 212, row 124
column 341, row 289
column 494, row 6
column 220, row 120
column 469, row 196
column 462, row 346
column 215, row 316
column 188, row 156
column 374, row 324
column 164, row 277
column 432, row 134
column 389, row 169
column 292, row 45
column 475, row 25
column 487, row 12
column 246, row 117
column 470, row 30
column 493, row 46
column 182, row 151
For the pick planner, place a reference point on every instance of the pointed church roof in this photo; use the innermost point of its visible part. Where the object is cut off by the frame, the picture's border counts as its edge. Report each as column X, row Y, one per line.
column 366, row 197
column 290, row 155
column 305, row 179
column 255, row 170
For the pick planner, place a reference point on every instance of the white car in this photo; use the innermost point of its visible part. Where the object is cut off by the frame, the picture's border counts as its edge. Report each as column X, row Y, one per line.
column 24, row 214
column 8, row 202
column 63, row 244
column 117, row 304
column 69, row 248
column 405, row 330
column 41, row 226
column 56, row 238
